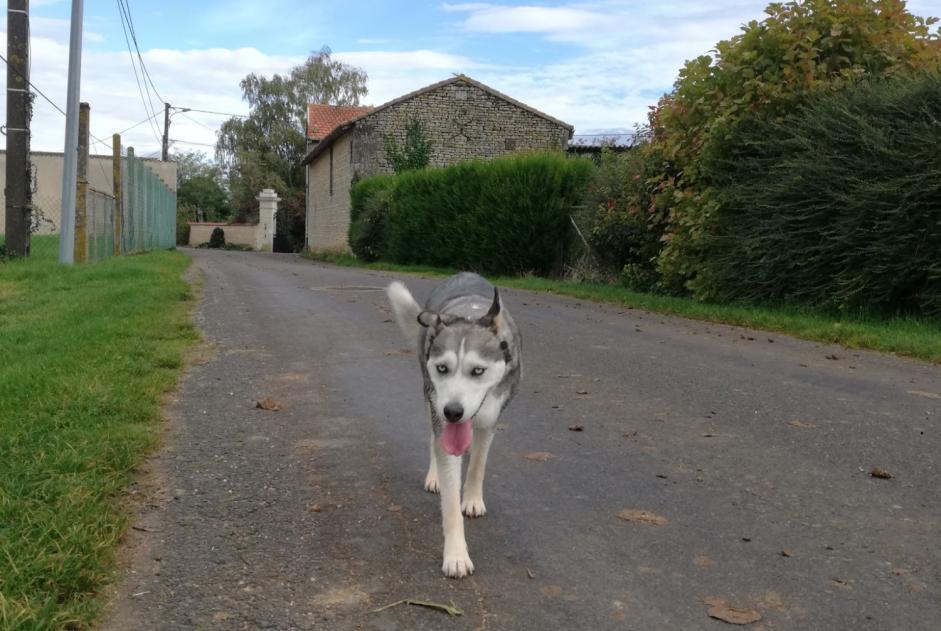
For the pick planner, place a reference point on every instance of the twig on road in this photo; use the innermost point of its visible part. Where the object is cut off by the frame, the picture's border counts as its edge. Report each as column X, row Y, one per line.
column 451, row 610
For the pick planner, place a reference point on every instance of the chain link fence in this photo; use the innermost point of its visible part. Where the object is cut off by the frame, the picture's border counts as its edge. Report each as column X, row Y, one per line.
column 144, row 220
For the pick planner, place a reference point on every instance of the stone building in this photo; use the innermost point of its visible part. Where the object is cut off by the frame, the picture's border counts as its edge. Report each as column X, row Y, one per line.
column 463, row 118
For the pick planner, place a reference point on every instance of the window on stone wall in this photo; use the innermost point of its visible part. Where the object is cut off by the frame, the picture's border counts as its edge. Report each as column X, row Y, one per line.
column 510, row 144
column 331, row 170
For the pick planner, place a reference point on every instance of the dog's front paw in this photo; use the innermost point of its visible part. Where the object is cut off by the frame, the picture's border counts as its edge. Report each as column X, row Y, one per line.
column 473, row 507
column 431, row 481
column 457, row 565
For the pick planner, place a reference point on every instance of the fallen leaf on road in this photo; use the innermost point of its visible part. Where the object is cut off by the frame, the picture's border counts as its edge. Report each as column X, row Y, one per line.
column 394, row 508
column 720, row 609
column 581, row 391
column 839, row 582
column 642, row 517
column 802, row 425
column 879, row 472
column 703, row 560
column 786, row 553
column 551, row 590
column 630, row 434
column 539, row 456
column 576, row 428
column 315, row 508
column 708, row 435
column 451, row 610
column 268, row 404
column 922, row 393
column 529, row 573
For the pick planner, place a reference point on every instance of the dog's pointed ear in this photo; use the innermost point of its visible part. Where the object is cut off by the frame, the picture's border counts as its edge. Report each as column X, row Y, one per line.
column 429, row 319
column 491, row 317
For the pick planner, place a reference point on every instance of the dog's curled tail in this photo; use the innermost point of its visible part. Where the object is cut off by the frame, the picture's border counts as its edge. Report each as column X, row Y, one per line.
column 405, row 308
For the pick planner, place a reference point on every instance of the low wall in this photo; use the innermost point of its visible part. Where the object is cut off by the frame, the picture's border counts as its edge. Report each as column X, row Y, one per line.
column 243, row 234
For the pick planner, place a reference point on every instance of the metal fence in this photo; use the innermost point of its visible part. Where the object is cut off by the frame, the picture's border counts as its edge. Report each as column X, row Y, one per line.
column 144, row 220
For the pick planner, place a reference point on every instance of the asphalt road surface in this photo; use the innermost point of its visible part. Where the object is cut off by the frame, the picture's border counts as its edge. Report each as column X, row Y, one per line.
column 652, row 473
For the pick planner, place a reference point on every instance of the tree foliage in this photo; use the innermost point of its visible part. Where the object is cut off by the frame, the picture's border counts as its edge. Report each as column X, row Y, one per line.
column 768, row 70
column 266, row 148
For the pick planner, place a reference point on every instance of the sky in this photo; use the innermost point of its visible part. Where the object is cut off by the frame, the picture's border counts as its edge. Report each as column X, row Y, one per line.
column 597, row 65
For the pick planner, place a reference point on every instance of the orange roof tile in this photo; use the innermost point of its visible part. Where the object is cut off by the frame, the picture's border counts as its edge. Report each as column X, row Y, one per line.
column 322, row 119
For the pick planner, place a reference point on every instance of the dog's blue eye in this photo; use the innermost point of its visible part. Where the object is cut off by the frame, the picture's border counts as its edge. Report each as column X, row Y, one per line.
column 476, row 372
column 442, row 369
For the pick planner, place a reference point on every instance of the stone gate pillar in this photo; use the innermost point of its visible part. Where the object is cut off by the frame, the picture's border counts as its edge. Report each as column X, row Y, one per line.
column 267, row 209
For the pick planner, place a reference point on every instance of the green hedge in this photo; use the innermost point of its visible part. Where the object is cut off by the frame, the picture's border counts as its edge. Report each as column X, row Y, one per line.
column 507, row 216
column 837, row 206
column 369, row 207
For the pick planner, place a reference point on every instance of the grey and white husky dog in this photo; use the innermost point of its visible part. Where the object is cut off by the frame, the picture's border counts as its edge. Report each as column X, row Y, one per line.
column 469, row 353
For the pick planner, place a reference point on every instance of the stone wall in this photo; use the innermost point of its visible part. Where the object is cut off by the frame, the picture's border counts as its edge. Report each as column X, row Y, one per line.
column 328, row 213
column 463, row 122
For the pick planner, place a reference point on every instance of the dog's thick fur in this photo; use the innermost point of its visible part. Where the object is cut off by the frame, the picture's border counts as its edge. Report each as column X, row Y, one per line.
column 469, row 350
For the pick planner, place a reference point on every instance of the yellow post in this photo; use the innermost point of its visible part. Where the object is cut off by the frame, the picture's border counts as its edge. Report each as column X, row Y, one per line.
column 118, row 193
column 81, row 187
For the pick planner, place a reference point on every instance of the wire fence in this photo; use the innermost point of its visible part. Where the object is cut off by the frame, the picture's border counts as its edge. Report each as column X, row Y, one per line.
column 145, row 218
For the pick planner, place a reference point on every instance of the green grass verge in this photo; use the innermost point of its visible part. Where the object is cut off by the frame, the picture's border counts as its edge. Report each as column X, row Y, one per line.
column 89, row 353
column 912, row 337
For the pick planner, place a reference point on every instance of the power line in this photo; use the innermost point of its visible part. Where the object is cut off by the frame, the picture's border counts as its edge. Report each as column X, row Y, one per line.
column 190, row 142
column 149, row 118
column 151, row 110
column 197, row 122
column 38, row 91
column 190, row 109
column 126, row 8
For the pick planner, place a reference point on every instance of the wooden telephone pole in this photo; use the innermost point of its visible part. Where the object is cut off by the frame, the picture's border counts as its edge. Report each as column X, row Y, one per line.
column 18, row 173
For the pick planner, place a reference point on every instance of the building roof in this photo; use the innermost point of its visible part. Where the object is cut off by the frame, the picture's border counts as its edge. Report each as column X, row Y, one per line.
column 343, row 127
column 323, row 119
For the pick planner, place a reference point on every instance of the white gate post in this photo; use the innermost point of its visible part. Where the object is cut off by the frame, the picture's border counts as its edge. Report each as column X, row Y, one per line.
column 267, row 208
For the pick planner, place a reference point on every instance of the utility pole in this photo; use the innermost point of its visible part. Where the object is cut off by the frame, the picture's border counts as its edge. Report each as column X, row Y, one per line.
column 166, row 132
column 81, row 195
column 18, row 173
column 70, row 156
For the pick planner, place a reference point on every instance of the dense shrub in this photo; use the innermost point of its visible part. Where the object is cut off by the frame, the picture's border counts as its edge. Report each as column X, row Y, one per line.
column 838, row 205
column 184, row 214
column 369, row 207
column 509, row 215
column 624, row 216
column 769, row 68
column 217, row 238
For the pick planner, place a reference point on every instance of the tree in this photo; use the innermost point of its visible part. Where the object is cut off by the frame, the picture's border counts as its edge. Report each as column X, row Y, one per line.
column 415, row 153
column 265, row 149
column 769, row 69
column 205, row 198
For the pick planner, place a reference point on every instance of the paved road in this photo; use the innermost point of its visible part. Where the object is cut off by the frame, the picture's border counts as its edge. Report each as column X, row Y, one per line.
column 754, row 449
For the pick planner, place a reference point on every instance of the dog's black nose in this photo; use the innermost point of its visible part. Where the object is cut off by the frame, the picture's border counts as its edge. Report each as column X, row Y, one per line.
column 454, row 412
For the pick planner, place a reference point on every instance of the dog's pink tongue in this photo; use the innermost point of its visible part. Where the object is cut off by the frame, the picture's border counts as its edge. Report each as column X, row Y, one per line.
column 456, row 437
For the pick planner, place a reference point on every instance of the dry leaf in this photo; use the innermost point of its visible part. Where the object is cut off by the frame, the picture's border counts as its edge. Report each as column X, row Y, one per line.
column 879, row 472
column 703, row 560
column 529, row 573
column 721, row 610
column 642, row 517
column 786, row 553
column 551, row 590
column 802, row 425
column 315, row 508
column 581, row 391
column 709, row 435
column 576, row 428
column 394, row 508
column 268, row 404
column 539, row 456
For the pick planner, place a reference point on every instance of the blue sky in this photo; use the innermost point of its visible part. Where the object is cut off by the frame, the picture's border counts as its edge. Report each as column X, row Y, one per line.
column 596, row 64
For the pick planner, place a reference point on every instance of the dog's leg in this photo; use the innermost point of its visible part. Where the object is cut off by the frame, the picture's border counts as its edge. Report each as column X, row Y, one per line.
column 457, row 562
column 473, row 504
column 431, row 478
